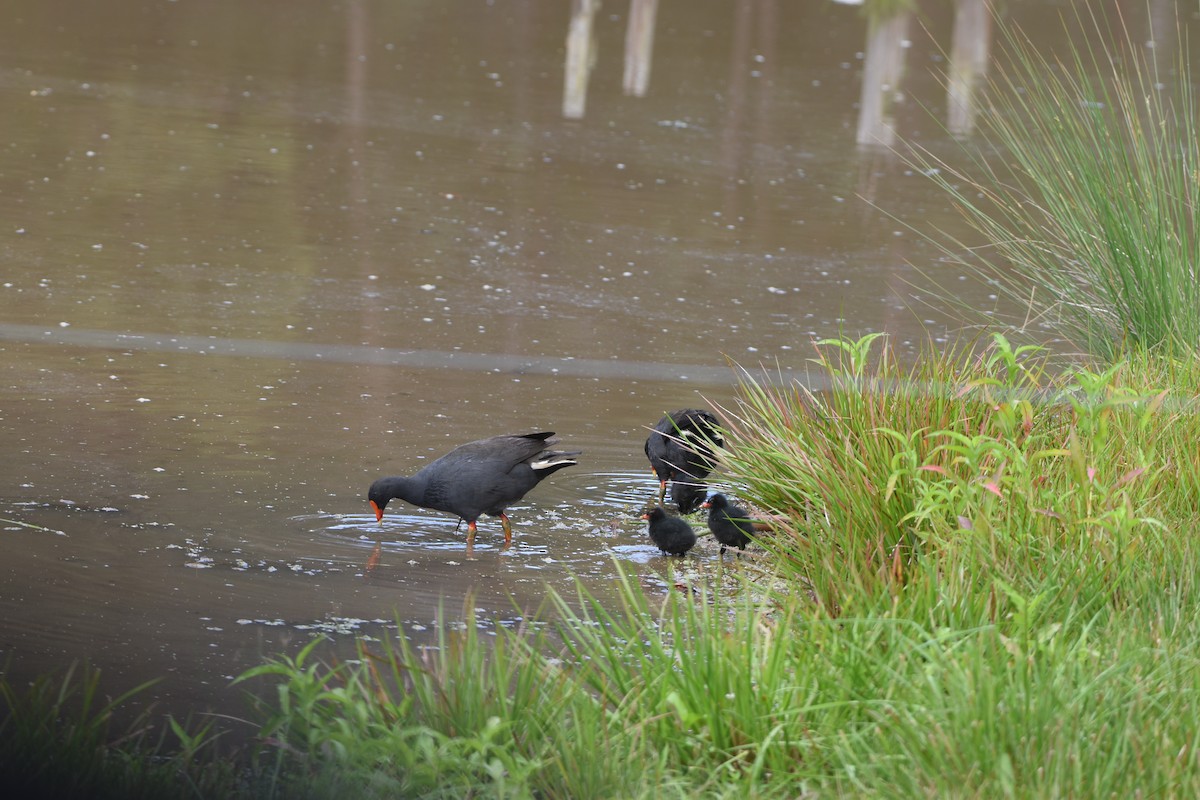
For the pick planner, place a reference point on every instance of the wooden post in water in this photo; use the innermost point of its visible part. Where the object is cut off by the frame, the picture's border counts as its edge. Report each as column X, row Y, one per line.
column 639, row 46
column 581, row 57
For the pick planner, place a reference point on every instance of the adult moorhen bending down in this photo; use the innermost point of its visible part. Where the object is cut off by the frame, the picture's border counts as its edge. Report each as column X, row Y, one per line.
column 674, row 536
column 482, row 477
column 730, row 525
column 680, row 448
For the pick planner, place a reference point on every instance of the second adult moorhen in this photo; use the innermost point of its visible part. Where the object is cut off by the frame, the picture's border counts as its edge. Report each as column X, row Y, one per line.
column 680, row 448
column 482, row 477
column 672, row 535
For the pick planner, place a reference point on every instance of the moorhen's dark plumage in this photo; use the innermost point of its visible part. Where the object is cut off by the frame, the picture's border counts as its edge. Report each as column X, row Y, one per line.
column 687, row 497
column 674, row 536
column 680, row 448
column 730, row 525
column 482, row 477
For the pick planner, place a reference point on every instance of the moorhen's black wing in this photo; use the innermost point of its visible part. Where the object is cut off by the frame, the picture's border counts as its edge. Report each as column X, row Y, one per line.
column 486, row 476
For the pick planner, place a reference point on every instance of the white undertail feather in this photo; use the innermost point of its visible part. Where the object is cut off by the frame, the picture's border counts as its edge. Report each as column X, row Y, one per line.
column 699, row 438
column 553, row 460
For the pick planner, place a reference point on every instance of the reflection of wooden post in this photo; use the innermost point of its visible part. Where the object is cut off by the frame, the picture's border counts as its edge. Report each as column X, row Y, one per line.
column 968, row 62
column 883, row 71
column 580, row 57
column 639, row 45
column 358, row 24
column 741, row 40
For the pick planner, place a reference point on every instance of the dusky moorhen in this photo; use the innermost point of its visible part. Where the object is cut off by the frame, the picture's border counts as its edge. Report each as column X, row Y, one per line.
column 481, row 477
column 680, row 447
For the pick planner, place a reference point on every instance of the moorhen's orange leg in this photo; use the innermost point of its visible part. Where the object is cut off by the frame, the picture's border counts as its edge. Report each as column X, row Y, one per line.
column 507, row 529
column 470, row 537
column 662, row 491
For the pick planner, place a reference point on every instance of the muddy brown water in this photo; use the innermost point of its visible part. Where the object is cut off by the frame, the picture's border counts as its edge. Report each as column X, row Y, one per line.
column 254, row 255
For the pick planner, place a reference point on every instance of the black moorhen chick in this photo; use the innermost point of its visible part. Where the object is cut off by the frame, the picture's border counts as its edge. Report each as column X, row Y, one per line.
column 730, row 525
column 681, row 447
column 674, row 536
column 482, row 477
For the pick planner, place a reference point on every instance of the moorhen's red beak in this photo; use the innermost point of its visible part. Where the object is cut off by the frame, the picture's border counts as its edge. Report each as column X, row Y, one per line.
column 378, row 511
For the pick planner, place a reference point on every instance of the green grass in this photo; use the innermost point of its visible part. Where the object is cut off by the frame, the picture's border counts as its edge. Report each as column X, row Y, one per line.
column 1082, row 185
column 60, row 738
column 974, row 456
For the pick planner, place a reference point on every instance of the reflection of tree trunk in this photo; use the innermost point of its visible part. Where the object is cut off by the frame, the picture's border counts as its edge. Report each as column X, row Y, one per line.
column 766, row 46
column 356, row 61
column 768, row 33
column 739, row 58
column 883, row 71
column 639, row 46
column 522, row 189
column 1163, row 29
column 581, row 57
column 969, row 50
column 358, row 22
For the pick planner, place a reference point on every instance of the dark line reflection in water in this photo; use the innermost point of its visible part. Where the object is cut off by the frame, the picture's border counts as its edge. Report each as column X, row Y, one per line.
column 380, row 356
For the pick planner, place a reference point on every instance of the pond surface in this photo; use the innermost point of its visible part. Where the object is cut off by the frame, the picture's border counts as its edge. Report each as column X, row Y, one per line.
column 255, row 255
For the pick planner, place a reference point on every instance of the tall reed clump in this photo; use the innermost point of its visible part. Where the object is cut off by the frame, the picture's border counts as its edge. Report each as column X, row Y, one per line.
column 1082, row 184
column 1027, row 538
column 918, row 477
